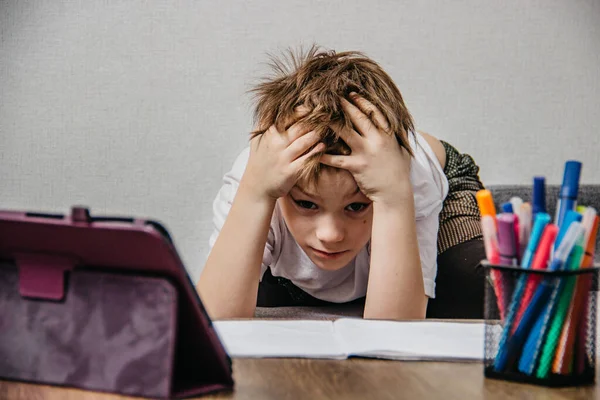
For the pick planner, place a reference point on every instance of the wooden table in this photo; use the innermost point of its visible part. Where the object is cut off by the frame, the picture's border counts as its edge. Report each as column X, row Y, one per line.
column 355, row 378
column 264, row 379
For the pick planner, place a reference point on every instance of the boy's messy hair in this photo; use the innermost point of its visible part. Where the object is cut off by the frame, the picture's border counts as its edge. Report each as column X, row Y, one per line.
column 317, row 79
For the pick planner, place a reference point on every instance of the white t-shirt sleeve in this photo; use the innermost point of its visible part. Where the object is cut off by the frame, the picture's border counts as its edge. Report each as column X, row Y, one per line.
column 427, row 233
column 430, row 187
column 428, row 204
column 224, row 200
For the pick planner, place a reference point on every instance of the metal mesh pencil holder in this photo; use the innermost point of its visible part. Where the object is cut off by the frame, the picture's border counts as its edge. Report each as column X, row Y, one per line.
column 540, row 326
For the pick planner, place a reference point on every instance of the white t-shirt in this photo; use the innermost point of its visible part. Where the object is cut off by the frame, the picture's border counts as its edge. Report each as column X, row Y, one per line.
column 287, row 259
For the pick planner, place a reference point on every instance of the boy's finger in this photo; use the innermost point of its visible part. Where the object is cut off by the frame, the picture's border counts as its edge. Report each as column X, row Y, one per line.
column 370, row 111
column 297, row 130
column 300, row 112
column 299, row 146
column 301, row 160
column 337, row 161
column 362, row 123
column 350, row 136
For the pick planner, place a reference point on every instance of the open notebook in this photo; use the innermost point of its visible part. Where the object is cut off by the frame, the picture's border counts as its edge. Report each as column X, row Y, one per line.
column 346, row 337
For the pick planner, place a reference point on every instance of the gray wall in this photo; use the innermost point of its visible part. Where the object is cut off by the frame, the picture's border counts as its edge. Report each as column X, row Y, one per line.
column 139, row 107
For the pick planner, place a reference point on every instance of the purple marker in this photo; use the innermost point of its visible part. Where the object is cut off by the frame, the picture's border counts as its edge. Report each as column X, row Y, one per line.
column 506, row 239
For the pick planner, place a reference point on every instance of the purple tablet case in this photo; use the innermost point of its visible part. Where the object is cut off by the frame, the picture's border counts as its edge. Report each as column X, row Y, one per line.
column 103, row 304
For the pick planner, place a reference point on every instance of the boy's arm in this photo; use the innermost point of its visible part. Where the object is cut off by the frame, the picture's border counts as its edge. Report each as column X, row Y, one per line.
column 381, row 169
column 229, row 281
column 395, row 289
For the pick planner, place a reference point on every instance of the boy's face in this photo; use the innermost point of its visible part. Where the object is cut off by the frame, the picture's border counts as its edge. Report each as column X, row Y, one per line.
column 331, row 221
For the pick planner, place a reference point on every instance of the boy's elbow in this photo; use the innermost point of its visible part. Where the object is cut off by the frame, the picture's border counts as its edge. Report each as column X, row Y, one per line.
column 411, row 315
column 223, row 313
column 217, row 309
column 414, row 311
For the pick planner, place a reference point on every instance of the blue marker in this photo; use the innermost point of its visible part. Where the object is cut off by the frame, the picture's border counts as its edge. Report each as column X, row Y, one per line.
column 538, row 201
column 502, row 359
column 568, row 191
column 570, row 217
column 512, row 346
column 541, row 220
column 533, row 345
column 507, row 208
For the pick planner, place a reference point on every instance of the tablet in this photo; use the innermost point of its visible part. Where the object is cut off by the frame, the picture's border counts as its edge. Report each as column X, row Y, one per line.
column 68, row 267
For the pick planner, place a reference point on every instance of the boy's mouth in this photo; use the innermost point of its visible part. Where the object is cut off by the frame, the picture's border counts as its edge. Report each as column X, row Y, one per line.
column 328, row 255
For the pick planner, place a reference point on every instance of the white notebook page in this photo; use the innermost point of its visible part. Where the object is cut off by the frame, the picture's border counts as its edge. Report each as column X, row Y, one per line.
column 425, row 340
column 422, row 340
column 294, row 339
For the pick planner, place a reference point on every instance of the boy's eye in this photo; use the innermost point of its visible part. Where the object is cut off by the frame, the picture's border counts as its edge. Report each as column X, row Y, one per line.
column 309, row 205
column 357, row 207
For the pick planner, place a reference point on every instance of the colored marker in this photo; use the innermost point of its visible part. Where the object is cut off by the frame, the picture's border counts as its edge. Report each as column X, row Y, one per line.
column 564, row 301
column 517, row 244
column 490, row 239
column 490, row 243
column 507, row 208
column 538, row 200
column 509, row 347
column 524, row 228
column 516, row 202
column 533, row 346
column 511, row 350
column 570, row 217
column 588, row 221
column 540, row 261
column 506, row 239
column 540, row 222
column 563, row 359
column 581, row 354
column 485, row 203
column 567, row 199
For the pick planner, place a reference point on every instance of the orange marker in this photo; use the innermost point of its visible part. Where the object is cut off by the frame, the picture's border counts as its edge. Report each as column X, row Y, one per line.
column 485, row 203
column 489, row 226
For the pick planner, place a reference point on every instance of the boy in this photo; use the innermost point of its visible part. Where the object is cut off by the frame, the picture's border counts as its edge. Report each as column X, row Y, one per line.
column 338, row 198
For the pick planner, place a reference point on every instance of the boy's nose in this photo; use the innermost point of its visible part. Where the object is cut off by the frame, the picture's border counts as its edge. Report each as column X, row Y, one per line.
column 330, row 230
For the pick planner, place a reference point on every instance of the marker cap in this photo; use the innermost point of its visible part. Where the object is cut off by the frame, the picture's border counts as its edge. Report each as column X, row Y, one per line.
column 538, row 202
column 485, row 203
column 570, row 217
column 568, row 241
column 570, row 184
column 507, row 208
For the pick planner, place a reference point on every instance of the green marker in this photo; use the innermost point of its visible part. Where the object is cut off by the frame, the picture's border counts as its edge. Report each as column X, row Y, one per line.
column 561, row 312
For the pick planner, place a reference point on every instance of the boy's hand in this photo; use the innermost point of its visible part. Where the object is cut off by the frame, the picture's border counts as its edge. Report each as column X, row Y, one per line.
column 380, row 166
column 277, row 157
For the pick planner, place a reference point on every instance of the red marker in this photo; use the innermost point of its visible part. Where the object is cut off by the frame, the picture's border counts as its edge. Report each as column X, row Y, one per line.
column 540, row 261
